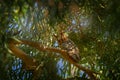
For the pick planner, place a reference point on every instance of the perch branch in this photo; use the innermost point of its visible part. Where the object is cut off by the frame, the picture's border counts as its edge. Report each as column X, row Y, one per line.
column 40, row 47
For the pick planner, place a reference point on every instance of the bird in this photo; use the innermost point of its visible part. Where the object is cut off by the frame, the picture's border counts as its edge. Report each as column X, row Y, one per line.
column 68, row 45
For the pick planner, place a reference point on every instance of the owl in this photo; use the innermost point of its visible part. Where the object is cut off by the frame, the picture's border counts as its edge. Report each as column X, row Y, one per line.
column 68, row 45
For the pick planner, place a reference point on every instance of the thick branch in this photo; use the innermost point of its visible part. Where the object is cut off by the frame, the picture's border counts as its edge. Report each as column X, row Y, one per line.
column 30, row 63
column 40, row 47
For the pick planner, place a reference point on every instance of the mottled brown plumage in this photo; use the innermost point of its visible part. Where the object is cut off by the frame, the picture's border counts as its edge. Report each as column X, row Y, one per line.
column 67, row 44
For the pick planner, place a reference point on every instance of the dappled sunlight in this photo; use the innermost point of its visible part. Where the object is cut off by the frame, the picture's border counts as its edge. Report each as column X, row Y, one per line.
column 59, row 39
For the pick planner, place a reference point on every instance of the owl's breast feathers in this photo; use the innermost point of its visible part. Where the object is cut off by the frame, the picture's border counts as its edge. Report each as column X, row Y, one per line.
column 72, row 50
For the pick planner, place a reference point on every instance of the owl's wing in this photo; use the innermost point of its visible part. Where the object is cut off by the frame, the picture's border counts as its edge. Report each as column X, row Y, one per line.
column 74, row 55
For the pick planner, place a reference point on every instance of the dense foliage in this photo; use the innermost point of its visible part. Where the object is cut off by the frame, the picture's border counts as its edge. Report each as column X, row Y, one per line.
column 93, row 25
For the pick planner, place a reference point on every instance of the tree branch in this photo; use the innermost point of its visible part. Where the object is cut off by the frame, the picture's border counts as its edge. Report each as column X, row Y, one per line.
column 40, row 47
column 29, row 62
